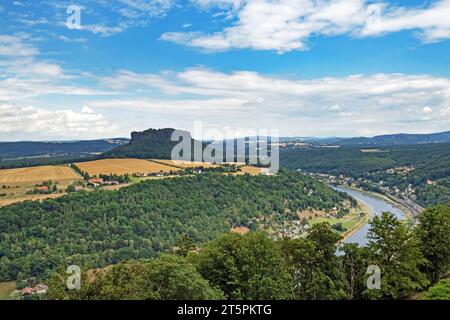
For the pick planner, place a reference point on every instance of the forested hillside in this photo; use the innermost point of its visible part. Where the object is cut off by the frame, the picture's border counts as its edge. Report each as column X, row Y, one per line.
column 254, row 266
column 104, row 227
column 21, row 149
column 396, row 139
column 352, row 160
column 427, row 161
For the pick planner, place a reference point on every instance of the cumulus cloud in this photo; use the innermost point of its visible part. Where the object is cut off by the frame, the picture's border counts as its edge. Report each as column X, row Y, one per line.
column 432, row 22
column 286, row 25
column 24, row 77
column 349, row 105
column 67, row 123
column 23, row 74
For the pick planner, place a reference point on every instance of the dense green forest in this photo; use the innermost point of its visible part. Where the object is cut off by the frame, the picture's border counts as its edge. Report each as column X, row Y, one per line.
column 254, row 266
column 44, row 161
column 29, row 148
column 104, row 227
column 430, row 161
column 351, row 161
column 399, row 139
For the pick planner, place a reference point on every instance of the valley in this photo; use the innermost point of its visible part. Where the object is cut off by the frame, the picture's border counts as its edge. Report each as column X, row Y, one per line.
column 101, row 212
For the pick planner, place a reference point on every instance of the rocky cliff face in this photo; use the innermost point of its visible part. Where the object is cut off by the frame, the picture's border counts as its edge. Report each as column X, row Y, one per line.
column 152, row 135
column 148, row 144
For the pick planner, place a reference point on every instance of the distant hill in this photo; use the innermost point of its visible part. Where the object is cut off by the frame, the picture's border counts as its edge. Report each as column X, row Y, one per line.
column 394, row 139
column 148, row 144
column 31, row 149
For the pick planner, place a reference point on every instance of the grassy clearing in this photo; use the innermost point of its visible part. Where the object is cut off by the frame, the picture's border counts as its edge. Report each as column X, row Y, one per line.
column 6, row 288
column 351, row 222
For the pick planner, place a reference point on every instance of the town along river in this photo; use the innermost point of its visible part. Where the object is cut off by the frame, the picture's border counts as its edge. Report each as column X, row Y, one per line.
column 377, row 206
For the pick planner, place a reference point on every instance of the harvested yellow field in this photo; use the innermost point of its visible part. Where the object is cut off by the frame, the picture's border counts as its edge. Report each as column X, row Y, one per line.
column 237, row 164
column 37, row 174
column 123, row 166
column 250, row 170
column 29, row 197
column 186, row 164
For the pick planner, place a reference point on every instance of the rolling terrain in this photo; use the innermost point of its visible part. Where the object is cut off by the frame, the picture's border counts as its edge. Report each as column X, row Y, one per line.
column 28, row 149
column 420, row 170
column 142, row 220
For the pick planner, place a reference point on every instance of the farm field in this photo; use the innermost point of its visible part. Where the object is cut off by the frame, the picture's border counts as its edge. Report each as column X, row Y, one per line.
column 6, row 201
column 250, row 170
column 123, row 166
column 6, row 288
column 186, row 164
column 37, row 175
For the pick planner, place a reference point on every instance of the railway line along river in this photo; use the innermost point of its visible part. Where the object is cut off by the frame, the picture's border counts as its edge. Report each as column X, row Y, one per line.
column 377, row 206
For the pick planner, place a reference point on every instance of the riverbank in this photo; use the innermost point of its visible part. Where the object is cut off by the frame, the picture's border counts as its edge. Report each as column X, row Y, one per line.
column 392, row 200
column 376, row 204
column 369, row 212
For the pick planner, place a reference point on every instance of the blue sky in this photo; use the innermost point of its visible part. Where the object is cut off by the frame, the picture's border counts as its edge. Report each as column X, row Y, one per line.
column 303, row 67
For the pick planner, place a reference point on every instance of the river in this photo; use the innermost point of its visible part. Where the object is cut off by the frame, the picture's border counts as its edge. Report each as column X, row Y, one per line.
column 377, row 205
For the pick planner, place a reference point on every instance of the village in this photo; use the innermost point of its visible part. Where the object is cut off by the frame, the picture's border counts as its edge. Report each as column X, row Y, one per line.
column 380, row 186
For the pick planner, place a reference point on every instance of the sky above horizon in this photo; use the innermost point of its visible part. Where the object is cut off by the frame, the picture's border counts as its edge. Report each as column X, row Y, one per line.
column 302, row 67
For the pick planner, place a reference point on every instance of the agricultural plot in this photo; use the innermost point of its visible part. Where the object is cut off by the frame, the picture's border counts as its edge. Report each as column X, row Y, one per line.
column 186, row 164
column 123, row 166
column 33, row 175
column 6, row 288
column 21, row 196
column 250, row 170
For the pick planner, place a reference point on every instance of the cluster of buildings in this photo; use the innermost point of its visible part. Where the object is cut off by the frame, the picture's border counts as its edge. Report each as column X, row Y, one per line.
column 97, row 182
column 401, row 170
column 152, row 174
column 408, row 192
column 332, row 178
column 294, row 230
column 31, row 291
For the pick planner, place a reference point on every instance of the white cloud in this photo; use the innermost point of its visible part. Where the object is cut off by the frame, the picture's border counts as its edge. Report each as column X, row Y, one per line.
column 67, row 39
column 23, row 75
column 286, row 25
column 32, row 67
column 14, row 46
column 102, row 30
column 325, row 106
column 67, row 123
column 117, row 16
column 150, row 7
column 34, row 22
column 433, row 22
column 427, row 110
